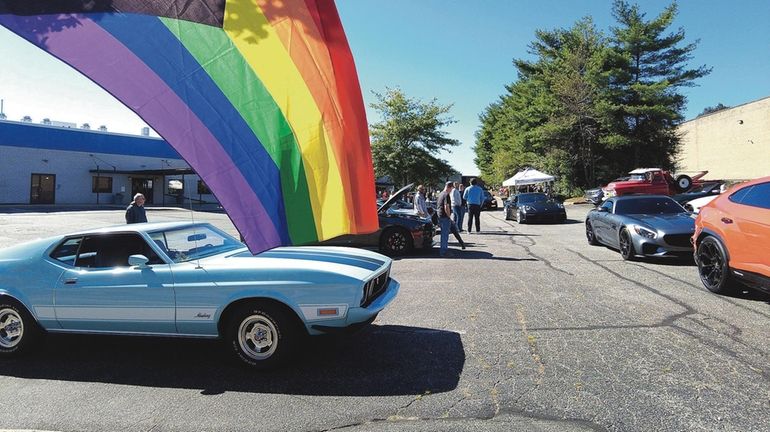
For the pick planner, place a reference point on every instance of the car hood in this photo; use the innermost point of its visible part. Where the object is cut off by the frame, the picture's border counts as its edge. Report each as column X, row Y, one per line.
column 395, row 197
column 668, row 223
column 308, row 260
column 544, row 206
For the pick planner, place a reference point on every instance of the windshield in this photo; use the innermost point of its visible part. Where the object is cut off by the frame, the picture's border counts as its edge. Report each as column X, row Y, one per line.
column 531, row 198
column 648, row 206
column 194, row 242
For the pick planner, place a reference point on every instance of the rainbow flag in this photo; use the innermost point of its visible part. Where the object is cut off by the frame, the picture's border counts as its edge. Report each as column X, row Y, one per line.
column 260, row 97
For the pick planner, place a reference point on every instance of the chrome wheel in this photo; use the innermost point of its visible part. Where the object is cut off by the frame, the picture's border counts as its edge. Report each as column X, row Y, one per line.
column 258, row 337
column 397, row 241
column 11, row 328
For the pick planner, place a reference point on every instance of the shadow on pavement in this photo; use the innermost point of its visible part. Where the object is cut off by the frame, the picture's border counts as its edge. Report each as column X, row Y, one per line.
column 462, row 254
column 744, row 293
column 378, row 361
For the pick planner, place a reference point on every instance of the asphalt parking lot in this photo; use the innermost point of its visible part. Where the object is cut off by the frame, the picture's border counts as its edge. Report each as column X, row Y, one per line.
column 529, row 329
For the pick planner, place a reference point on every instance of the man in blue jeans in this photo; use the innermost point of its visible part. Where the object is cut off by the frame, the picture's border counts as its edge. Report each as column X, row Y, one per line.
column 474, row 195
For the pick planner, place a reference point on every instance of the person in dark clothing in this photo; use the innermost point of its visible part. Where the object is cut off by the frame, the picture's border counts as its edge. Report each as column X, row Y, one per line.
column 135, row 212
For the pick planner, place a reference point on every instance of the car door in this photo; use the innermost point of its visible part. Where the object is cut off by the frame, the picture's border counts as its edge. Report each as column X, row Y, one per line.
column 100, row 292
column 600, row 221
column 751, row 250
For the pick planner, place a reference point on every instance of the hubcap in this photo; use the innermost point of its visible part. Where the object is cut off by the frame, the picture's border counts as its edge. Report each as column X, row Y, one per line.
column 258, row 337
column 11, row 328
column 710, row 264
column 683, row 183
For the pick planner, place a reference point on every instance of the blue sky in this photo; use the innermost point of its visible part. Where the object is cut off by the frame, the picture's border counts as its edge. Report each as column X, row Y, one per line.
column 458, row 52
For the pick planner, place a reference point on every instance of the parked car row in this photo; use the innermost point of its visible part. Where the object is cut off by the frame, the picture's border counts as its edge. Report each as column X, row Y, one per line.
column 729, row 238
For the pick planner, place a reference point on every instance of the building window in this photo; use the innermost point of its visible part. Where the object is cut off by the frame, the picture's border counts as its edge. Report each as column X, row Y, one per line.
column 101, row 184
column 203, row 189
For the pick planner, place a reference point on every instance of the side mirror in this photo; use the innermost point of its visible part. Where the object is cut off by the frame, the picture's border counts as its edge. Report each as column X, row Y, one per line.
column 138, row 261
column 602, row 209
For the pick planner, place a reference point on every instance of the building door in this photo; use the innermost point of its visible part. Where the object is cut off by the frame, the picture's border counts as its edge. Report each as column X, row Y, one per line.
column 143, row 186
column 43, row 190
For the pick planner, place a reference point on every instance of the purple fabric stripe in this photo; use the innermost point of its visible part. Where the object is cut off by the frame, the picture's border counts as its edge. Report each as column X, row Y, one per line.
column 91, row 50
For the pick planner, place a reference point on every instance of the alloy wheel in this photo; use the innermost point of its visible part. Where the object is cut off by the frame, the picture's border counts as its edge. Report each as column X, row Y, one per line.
column 711, row 265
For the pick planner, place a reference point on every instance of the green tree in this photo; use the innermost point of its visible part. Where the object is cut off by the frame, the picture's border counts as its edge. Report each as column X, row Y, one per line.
column 649, row 67
column 408, row 138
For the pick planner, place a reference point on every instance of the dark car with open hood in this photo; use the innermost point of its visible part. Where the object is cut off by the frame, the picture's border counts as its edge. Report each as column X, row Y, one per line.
column 401, row 229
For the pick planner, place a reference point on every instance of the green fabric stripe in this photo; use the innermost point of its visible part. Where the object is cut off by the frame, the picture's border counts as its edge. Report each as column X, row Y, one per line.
column 223, row 62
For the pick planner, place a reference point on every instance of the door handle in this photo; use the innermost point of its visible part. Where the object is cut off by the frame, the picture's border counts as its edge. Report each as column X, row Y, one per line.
column 70, row 281
column 727, row 220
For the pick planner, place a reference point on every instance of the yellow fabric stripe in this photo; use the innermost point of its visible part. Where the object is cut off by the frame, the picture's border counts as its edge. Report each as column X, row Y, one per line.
column 263, row 50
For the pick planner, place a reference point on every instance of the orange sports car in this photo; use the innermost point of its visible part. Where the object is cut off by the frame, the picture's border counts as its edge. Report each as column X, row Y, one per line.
column 732, row 238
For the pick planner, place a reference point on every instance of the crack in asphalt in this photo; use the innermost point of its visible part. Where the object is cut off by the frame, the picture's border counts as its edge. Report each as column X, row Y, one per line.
column 527, row 248
column 670, row 321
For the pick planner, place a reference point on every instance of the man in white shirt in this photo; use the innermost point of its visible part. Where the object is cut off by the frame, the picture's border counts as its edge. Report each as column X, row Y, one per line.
column 457, row 206
column 419, row 202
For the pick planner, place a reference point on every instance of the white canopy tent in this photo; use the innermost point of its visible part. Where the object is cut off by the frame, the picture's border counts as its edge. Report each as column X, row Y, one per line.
column 528, row 176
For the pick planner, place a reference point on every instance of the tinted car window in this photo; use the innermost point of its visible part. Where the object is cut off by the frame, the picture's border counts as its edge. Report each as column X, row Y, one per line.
column 738, row 196
column 608, row 206
column 67, row 251
column 648, row 206
column 757, row 196
column 113, row 250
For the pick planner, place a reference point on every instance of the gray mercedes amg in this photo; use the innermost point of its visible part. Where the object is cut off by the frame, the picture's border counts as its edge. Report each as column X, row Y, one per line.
column 647, row 225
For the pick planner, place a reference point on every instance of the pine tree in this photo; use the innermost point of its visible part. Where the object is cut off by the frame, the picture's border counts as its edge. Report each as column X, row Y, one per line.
column 649, row 69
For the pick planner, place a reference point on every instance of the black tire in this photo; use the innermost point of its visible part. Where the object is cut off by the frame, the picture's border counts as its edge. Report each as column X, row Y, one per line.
column 683, row 183
column 262, row 336
column 396, row 241
column 713, row 266
column 626, row 245
column 19, row 332
column 508, row 214
column 520, row 217
column 591, row 235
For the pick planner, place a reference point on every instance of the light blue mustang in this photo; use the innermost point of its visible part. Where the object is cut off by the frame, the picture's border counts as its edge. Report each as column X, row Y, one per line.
column 189, row 280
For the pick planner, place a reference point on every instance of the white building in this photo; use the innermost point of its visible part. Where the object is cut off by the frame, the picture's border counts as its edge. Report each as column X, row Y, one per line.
column 42, row 164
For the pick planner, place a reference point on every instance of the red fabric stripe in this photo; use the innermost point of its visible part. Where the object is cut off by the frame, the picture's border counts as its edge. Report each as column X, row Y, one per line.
column 303, row 33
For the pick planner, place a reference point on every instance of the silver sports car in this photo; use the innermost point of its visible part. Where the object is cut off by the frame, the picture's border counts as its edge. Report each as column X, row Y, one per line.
column 648, row 225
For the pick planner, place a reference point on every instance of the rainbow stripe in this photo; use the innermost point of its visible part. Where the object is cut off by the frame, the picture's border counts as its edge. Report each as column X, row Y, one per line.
column 260, row 98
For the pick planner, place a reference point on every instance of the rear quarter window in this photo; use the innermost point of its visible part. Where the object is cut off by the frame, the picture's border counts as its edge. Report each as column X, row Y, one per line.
column 67, row 251
column 756, row 196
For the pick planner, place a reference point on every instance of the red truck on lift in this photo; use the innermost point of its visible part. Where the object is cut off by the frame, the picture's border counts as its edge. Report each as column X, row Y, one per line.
column 653, row 181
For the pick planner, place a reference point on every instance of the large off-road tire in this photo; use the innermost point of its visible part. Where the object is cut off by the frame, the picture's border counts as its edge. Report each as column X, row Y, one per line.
column 626, row 245
column 591, row 235
column 396, row 241
column 683, row 183
column 713, row 266
column 262, row 335
column 19, row 332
